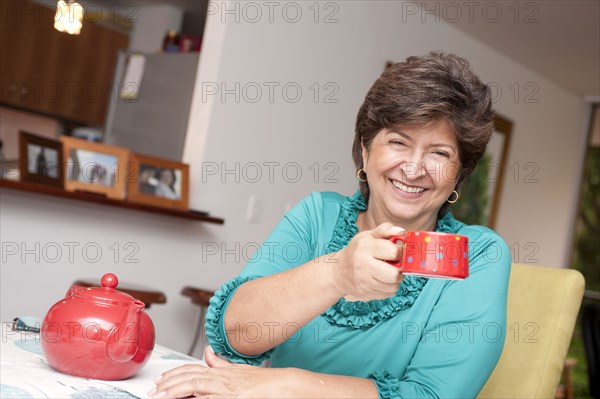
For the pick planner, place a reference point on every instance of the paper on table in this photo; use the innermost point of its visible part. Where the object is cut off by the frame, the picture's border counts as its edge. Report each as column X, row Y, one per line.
column 22, row 379
column 25, row 373
column 163, row 359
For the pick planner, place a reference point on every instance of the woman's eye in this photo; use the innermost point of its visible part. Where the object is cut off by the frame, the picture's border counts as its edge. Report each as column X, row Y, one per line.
column 442, row 153
column 398, row 142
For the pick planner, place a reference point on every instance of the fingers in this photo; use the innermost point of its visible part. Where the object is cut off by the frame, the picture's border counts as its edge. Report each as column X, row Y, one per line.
column 386, row 273
column 377, row 289
column 386, row 250
column 185, row 385
column 363, row 271
column 212, row 360
column 182, row 381
column 371, row 244
column 384, row 277
column 378, row 280
column 179, row 370
column 386, row 230
column 200, row 381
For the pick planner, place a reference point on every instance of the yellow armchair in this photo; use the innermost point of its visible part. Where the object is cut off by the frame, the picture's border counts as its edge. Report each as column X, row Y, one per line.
column 543, row 304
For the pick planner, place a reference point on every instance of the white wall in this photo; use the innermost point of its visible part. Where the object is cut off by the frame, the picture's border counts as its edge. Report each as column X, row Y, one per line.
column 48, row 243
column 536, row 204
column 12, row 121
column 348, row 55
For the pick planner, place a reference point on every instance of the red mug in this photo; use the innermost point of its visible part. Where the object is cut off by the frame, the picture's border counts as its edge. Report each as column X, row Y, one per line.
column 433, row 254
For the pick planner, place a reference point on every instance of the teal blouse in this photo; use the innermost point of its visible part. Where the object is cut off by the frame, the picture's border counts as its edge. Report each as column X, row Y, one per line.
column 435, row 338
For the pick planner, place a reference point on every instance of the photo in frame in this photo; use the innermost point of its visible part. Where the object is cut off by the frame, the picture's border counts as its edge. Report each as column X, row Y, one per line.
column 157, row 181
column 94, row 167
column 40, row 160
column 479, row 200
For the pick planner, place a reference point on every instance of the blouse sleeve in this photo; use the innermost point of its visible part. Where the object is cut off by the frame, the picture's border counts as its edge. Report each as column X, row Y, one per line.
column 292, row 243
column 463, row 338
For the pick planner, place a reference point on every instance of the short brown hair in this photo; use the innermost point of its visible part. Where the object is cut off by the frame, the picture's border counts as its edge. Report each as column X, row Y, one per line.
column 425, row 89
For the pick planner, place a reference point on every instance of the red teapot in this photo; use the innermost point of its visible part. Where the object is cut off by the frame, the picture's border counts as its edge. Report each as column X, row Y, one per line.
column 98, row 333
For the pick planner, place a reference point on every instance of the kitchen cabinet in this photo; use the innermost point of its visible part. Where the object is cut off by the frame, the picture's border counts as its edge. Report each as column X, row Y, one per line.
column 42, row 70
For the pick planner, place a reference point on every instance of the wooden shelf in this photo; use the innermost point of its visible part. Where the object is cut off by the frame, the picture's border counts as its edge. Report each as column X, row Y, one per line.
column 100, row 199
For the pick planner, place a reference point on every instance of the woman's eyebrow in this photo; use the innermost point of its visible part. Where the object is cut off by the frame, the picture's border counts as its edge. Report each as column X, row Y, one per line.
column 408, row 137
column 399, row 132
column 443, row 145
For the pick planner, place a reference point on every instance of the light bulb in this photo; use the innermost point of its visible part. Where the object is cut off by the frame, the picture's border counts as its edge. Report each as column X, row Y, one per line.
column 69, row 17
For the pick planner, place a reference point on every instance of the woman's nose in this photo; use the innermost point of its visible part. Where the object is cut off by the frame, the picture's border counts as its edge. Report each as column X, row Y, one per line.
column 413, row 168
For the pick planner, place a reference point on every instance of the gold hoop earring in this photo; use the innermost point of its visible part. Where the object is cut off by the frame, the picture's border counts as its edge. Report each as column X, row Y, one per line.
column 358, row 175
column 456, row 199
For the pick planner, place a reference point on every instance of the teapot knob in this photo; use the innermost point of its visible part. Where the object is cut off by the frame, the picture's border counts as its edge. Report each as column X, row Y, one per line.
column 109, row 280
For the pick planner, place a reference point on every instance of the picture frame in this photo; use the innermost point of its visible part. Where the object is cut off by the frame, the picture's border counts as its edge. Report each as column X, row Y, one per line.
column 479, row 201
column 158, row 182
column 94, row 167
column 40, row 160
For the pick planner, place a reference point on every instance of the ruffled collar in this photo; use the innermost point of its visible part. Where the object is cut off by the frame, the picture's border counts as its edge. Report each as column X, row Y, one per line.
column 361, row 314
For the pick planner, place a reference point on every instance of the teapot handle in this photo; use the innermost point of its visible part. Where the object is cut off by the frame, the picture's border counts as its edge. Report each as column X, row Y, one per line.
column 123, row 340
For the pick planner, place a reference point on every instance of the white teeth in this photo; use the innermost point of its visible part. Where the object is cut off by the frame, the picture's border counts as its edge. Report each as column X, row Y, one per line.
column 408, row 189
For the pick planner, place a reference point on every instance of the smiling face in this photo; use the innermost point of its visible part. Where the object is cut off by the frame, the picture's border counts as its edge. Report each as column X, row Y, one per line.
column 166, row 176
column 411, row 172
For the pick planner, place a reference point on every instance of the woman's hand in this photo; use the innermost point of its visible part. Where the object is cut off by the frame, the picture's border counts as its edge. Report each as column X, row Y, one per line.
column 221, row 379
column 361, row 269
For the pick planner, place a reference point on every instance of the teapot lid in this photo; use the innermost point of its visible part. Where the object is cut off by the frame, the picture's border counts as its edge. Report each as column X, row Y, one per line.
column 107, row 292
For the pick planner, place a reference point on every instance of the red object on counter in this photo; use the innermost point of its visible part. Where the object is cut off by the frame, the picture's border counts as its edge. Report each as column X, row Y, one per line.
column 189, row 43
column 98, row 333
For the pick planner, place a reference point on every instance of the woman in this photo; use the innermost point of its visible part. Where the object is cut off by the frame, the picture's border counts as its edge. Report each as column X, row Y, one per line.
column 319, row 299
column 165, row 186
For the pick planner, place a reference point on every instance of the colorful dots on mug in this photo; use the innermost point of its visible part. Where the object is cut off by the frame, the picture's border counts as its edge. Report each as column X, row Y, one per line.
column 434, row 254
